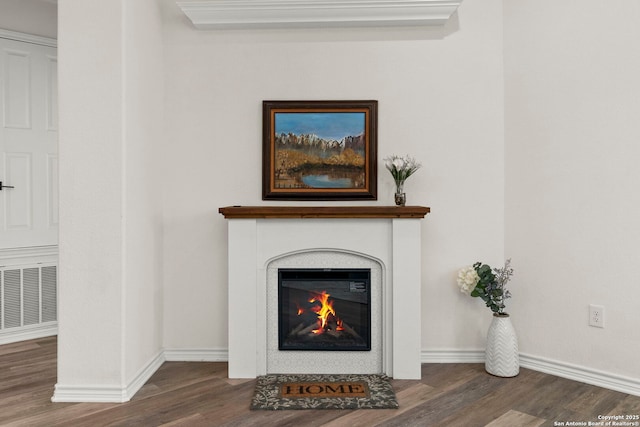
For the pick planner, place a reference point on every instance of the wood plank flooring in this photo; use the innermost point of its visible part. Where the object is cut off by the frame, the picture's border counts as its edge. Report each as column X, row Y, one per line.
column 200, row 394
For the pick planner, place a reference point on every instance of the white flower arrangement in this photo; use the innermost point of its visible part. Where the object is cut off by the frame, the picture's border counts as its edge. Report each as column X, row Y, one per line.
column 480, row 280
column 468, row 279
column 401, row 168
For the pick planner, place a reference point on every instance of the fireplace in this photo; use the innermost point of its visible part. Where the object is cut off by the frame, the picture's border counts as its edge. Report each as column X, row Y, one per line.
column 308, row 264
column 384, row 240
column 324, row 309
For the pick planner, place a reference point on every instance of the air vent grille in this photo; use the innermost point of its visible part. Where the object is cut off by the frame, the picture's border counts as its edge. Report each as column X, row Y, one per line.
column 12, row 306
column 49, row 293
column 28, row 295
column 31, row 295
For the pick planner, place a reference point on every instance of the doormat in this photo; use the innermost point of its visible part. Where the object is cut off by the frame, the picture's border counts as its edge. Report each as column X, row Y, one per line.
column 292, row 391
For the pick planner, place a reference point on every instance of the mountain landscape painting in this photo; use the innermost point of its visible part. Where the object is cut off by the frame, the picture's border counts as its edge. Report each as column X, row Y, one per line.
column 318, row 153
column 319, row 150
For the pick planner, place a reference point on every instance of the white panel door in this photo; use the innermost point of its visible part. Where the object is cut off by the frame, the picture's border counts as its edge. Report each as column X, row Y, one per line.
column 28, row 145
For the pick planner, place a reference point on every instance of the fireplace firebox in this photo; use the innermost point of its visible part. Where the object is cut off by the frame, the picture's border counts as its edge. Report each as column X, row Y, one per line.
column 324, row 309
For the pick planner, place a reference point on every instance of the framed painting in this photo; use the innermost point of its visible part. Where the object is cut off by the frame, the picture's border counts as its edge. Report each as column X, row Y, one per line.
column 319, row 150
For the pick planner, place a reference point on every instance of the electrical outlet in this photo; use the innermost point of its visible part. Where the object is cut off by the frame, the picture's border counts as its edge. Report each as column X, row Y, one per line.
column 596, row 316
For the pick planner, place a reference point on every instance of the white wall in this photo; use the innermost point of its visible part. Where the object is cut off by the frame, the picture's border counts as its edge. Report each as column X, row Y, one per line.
column 440, row 93
column 37, row 17
column 143, row 117
column 572, row 132
column 111, row 117
column 564, row 105
column 91, row 203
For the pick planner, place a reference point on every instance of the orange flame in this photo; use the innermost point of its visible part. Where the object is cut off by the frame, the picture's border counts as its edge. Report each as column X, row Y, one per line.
column 324, row 310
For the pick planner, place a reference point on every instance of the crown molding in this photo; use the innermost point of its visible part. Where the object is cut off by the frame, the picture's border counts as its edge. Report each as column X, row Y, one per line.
column 223, row 14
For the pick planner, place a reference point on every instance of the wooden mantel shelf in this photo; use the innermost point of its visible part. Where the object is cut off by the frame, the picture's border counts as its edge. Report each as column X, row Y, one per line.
column 236, row 212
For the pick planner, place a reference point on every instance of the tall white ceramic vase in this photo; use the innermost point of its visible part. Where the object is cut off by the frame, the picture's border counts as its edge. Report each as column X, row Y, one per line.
column 501, row 354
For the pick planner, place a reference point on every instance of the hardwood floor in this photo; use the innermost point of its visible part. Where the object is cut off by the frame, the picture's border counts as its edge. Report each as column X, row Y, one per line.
column 200, row 394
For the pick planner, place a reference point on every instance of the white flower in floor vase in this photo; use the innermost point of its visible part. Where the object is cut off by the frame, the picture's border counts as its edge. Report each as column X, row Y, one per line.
column 480, row 280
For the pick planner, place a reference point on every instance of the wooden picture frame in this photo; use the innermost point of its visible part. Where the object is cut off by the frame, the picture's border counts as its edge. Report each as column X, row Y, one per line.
column 319, row 150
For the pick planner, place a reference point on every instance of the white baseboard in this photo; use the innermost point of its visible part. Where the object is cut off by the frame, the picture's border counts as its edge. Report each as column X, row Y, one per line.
column 540, row 364
column 143, row 375
column 196, row 355
column 553, row 367
column 113, row 394
column 94, row 394
column 108, row 393
column 582, row 374
column 452, row 356
column 24, row 333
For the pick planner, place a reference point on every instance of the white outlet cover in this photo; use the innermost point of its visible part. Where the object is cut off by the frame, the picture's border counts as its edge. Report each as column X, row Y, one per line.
column 596, row 316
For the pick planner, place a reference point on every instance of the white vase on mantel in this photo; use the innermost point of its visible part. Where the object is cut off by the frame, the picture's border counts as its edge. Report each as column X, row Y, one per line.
column 501, row 354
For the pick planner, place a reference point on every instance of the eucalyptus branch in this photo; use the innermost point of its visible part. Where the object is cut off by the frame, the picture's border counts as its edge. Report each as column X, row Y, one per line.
column 488, row 284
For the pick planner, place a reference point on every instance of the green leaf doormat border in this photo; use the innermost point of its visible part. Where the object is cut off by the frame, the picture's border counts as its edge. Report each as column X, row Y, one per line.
column 293, row 391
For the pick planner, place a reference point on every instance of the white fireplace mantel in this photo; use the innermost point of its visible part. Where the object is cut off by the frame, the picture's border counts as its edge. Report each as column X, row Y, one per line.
column 222, row 14
column 389, row 236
